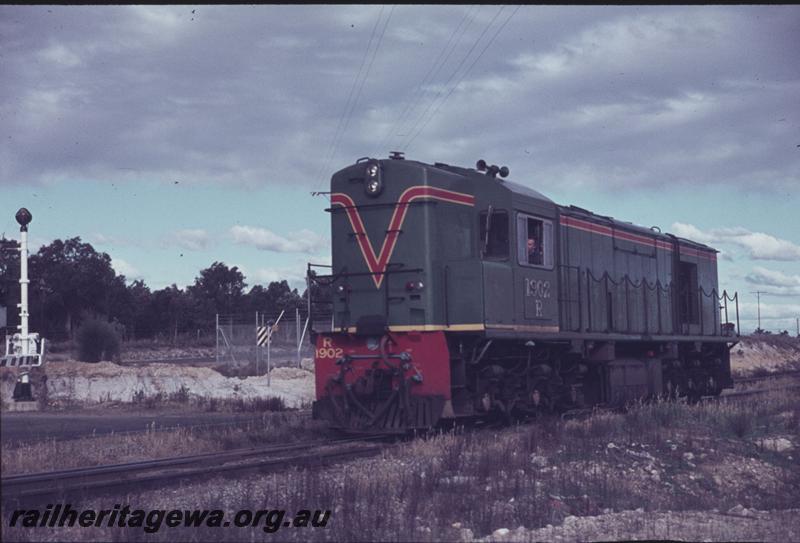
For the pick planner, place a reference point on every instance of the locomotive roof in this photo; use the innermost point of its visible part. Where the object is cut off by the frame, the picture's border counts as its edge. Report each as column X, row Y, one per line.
column 585, row 214
column 514, row 187
column 571, row 209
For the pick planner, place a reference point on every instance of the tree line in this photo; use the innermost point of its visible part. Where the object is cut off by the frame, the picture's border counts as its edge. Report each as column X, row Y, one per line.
column 70, row 283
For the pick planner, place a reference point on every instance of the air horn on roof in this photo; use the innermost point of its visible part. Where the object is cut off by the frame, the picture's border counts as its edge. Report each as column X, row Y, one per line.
column 492, row 170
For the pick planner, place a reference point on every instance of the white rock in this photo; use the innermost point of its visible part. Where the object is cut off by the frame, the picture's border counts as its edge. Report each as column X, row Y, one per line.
column 736, row 510
column 538, row 461
column 688, row 456
column 501, row 532
column 779, row 444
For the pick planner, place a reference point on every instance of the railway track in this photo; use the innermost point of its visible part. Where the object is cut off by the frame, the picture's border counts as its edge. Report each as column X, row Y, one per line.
column 82, row 482
column 746, row 393
column 776, row 375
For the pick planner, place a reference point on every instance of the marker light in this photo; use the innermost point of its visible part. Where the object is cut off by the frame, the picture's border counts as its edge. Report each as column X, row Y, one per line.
column 415, row 285
column 373, row 185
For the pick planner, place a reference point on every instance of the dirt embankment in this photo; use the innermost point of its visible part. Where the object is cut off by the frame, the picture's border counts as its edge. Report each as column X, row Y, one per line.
column 83, row 383
column 756, row 355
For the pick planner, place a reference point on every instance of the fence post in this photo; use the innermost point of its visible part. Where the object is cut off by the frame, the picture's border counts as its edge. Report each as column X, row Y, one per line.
column 216, row 334
column 297, row 330
column 302, row 337
column 258, row 348
column 269, row 360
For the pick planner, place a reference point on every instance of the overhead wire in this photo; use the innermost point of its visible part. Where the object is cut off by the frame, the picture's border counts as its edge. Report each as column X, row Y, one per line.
column 422, row 117
column 345, row 111
column 417, row 93
column 369, row 67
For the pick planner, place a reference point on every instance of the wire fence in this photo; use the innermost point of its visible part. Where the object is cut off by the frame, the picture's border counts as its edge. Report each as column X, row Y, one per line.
column 263, row 340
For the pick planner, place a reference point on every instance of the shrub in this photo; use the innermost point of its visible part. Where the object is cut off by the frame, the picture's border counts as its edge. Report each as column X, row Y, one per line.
column 150, row 402
column 242, row 405
column 181, row 395
column 97, row 341
column 138, row 396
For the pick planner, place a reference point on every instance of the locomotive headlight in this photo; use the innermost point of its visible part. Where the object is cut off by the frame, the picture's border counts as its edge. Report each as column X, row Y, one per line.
column 373, row 184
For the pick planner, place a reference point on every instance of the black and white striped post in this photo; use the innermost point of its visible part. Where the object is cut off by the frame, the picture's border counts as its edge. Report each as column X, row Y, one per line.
column 264, row 337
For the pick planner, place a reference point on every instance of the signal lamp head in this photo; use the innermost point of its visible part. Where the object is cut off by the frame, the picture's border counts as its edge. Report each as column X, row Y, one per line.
column 24, row 218
column 373, row 184
column 504, row 171
column 481, row 165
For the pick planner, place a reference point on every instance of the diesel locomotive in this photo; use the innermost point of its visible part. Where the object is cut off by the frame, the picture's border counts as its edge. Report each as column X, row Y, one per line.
column 458, row 293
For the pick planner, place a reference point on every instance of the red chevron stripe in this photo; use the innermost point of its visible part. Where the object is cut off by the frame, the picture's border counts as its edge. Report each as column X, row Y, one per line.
column 377, row 264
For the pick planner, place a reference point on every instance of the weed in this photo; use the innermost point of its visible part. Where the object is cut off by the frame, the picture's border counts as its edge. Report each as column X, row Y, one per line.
column 150, row 402
column 181, row 395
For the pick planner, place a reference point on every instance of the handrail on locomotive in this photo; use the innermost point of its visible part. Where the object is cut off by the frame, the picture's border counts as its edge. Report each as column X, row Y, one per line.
column 344, row 274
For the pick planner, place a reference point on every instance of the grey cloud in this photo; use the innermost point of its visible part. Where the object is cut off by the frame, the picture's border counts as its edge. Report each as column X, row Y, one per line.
column 303, row 241
column 122, row 267
column 98, row 238
column 785, row 312
column 293, row 275
column 775, row 282
column 192, row 239
column 758, row 245
column 625, row 96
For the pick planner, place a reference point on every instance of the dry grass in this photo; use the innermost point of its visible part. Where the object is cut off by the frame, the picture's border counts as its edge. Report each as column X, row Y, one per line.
column 656, row 457
column 52, row 455
column 183, row 398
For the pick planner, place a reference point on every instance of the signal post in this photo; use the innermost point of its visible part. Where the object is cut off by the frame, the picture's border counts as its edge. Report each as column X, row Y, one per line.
column 24, row 353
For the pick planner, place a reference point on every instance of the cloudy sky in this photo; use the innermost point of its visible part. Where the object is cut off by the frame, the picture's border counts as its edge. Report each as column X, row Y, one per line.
column 171, row 137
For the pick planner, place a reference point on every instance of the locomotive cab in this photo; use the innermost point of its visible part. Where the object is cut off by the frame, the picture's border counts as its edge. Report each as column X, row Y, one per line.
column 399, row 230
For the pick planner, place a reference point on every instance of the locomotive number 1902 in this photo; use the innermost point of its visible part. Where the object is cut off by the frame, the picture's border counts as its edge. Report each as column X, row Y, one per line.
column 539, row 290
column 536, row 288
column 328, row 350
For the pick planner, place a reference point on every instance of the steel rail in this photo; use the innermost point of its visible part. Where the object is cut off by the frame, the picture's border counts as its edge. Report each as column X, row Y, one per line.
column 36, row 486
column 775, row 375
column 757, row 392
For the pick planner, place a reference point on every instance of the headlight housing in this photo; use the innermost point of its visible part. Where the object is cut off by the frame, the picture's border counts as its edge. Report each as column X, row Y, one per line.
column 373, row 184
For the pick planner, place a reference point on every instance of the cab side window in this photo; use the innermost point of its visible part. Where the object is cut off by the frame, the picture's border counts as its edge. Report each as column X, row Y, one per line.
column 534, row 241
column 494, row 242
